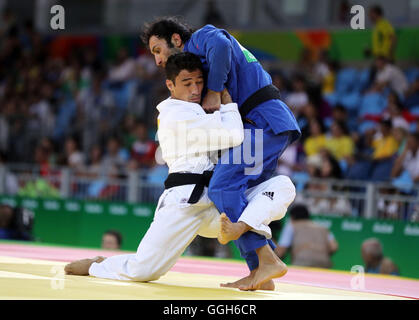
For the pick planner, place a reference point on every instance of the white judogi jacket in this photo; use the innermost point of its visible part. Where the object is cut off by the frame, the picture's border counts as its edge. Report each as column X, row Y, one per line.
column 188, row 136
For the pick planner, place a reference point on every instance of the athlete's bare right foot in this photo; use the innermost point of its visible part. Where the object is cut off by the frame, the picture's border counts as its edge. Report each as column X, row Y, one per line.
column 230, row 230
column 246, row 281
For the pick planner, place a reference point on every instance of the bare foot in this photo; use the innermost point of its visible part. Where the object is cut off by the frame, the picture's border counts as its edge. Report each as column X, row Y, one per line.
column 81, row 267
column 246, row 281
column 270, row 267
column 230, row 230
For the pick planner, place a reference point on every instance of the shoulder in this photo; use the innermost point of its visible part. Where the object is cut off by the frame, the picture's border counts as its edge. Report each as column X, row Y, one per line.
column 173, row 110
column 388, row 266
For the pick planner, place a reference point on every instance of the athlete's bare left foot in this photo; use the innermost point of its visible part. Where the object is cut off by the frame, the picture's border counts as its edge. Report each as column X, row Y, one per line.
column 230, row 230
column 81, row 267
column 270, row 267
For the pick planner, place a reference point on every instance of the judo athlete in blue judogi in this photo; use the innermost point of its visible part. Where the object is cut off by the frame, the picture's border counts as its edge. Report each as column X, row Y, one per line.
column 270, row 127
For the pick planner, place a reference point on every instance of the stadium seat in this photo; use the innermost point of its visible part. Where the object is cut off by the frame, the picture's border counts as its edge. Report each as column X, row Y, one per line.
column 366, row 125
column 412, row 74
column 351, row 100
column 300, row 179
column 331, row 98
column 414, row 110
column 363, row 80
column 403, row 182
column 66, row 113
column 381, row 170
column 372, row 103
column 346, row 80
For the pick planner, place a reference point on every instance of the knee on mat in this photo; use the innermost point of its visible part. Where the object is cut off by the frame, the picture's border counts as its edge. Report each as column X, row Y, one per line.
column 142, row 275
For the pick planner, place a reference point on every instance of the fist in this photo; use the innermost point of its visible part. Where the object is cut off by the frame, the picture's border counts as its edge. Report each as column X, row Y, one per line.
column 212, row 101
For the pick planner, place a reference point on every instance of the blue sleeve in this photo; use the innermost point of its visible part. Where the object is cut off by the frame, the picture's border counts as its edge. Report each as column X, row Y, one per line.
column 287, row 234
column 217, row 50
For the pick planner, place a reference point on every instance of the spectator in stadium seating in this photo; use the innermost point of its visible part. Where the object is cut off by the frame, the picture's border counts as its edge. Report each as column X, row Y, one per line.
column 374, row 259
column 339, row 141
column 389, row 76
column 115, row 156
column 127, row 131
column 297, row 99
column 305, row 64
column 288, row 162
column 325, row 166
column 74, row 158
column 7, row 21
column 339, row 113
column 11, row 184
column 280, row 81
column 111, row 240
column 40, row 110
column 311, row 245
column 72, row 80
column 325, row 73
column 316, row 141
column 97, row 112
column 384, row 148
column 309, row 112
column 4, row 132
column 408, row 160
column 42, row 156
column 95, row 167
column 401, row 135
column 384, row 144
column 399, row 115
column 143, row 149
column 15, row 223
column 412, row 94
column 124, row 68
column 383, row 36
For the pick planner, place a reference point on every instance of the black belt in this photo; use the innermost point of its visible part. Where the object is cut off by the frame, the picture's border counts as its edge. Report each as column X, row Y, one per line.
column 262, row 95
column 199, row 180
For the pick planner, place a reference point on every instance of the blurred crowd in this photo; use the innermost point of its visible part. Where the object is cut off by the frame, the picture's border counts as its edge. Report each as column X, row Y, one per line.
column 98, row 117
column 95, row 116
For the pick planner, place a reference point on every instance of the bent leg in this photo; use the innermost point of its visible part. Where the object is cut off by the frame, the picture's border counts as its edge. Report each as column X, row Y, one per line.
column 170, row 233
column 229, row 184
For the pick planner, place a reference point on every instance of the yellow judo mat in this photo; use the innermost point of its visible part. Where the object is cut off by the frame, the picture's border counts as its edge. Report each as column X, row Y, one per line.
column 22, row 278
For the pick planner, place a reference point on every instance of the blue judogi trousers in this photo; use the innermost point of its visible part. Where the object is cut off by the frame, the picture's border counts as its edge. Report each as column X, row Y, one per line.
column 230, row 179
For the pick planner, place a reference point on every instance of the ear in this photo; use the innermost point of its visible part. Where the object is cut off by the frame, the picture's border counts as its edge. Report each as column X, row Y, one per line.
column 170, row 85
column 176, row 40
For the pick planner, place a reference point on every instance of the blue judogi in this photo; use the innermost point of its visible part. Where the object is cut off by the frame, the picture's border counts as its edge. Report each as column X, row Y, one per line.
column 229, row 65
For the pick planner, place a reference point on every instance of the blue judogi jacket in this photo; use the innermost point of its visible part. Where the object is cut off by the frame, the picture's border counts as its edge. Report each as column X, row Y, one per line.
column 230, row 65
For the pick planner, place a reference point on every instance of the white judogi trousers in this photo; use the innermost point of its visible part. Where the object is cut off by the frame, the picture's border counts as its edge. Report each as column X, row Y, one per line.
column 176, row 223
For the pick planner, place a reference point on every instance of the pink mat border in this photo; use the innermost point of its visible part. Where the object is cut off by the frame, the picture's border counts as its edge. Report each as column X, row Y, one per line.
column 388, row 285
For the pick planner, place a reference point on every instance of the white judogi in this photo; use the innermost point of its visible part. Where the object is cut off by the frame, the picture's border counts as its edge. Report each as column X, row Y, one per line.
column 188, row 136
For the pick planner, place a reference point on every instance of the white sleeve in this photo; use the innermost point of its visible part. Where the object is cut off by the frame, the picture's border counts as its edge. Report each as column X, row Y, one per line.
column 222, row 129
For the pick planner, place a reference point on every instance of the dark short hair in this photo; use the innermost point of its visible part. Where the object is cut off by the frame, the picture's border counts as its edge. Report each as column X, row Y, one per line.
column 299, row 212
column 182, row 61
column 116, row 234
column 164, row 28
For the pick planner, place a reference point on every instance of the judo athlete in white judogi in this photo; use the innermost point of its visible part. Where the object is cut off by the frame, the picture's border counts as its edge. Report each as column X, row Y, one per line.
column 188, row 137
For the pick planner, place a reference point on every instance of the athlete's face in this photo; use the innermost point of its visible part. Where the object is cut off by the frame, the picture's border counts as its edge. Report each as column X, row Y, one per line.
column 187, row 86
column 161, row 51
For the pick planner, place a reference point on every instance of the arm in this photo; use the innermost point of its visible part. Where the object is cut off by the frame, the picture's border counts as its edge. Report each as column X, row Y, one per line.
column 222, row 129
column 333, row 245
column 285, row 241
column 217, row 50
